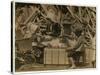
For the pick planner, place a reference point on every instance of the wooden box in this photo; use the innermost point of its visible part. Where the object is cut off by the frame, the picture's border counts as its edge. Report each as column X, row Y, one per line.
column 55, row 56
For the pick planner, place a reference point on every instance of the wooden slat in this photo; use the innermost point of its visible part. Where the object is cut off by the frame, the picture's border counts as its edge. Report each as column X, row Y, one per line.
column 55, row 56
column 61, row 56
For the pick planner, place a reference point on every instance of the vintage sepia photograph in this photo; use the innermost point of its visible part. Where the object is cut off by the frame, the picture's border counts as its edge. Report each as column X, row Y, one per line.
column 54, row 37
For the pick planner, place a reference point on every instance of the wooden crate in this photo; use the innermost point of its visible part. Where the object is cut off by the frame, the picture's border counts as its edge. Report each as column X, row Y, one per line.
column 55, row 56
column 88, row 55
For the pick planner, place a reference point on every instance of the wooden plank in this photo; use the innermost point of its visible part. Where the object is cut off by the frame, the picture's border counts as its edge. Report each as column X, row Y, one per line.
column 47, row 56
column 55, row 56
column 62, row 56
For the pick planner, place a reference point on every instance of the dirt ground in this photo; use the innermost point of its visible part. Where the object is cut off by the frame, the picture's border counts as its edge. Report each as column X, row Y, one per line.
column 42, row 67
